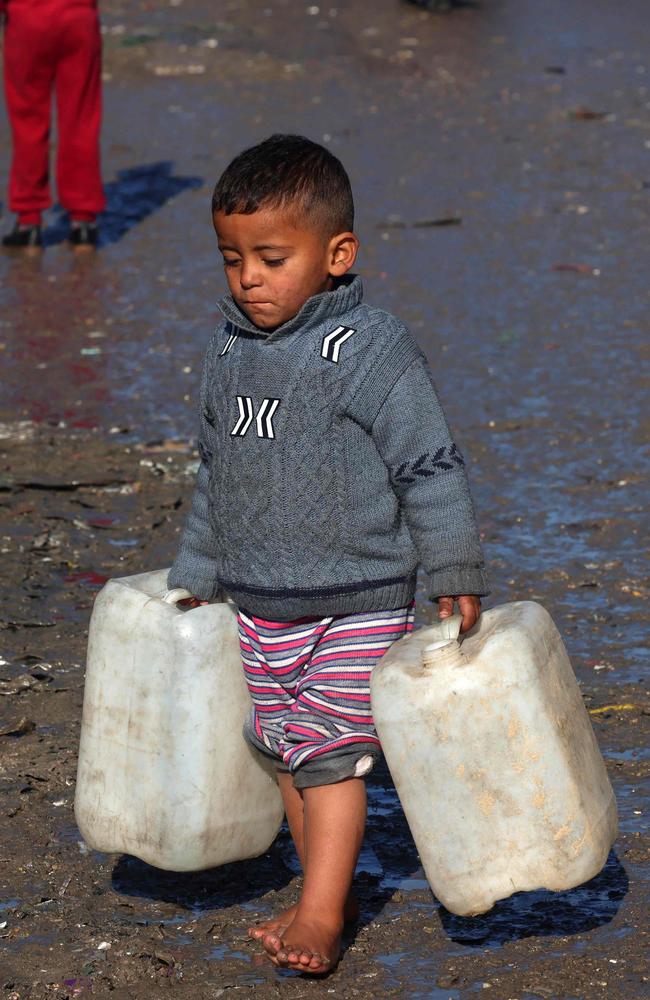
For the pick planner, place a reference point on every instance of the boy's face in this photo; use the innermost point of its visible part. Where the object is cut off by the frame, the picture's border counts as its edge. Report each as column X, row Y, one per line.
column 274, row 264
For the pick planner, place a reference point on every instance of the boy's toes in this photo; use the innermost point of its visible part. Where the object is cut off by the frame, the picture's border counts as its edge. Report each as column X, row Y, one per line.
column 317, row 963
column 272, row 944
column 302, row 959
column 291, row 956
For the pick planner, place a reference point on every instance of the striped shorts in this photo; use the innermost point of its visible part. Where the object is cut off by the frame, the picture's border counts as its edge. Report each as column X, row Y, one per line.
column 310, row 684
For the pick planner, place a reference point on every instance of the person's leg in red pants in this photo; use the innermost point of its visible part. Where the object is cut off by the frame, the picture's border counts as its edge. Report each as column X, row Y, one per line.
column 29, row 67
column 79, row 110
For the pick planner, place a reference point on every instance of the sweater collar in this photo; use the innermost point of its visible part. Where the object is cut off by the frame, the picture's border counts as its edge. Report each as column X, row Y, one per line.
column 325, row 305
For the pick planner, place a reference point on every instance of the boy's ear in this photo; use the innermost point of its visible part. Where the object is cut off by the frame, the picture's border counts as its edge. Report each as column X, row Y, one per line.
column 342, row 251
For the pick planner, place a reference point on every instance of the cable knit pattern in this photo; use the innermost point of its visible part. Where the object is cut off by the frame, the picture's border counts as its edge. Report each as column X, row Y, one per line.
column 328, row 473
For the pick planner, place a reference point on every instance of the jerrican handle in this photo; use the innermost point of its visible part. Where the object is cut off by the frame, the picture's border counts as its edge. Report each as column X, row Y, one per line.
column 180, row 594
column 175, row 595
column 445, row 635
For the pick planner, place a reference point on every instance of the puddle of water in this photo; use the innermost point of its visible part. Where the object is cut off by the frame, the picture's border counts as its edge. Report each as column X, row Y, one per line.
column 631, row 800
column 392, row 960
column 634, row 753
column 369, row 862
column 404, row 884
column 221, row 951
column 538, row 996
column 394, row 963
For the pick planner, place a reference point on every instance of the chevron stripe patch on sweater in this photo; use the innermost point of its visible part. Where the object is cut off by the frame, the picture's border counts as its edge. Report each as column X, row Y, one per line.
column 229, row 343
column 333, row 342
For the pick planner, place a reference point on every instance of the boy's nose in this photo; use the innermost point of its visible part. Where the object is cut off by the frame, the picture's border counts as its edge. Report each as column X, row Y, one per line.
column 250, row 276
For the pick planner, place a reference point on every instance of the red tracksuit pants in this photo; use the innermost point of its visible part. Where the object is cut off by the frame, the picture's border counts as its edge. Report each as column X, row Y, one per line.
column 45, row 53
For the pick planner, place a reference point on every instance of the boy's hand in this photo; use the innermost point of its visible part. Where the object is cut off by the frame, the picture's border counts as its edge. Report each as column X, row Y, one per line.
column 469, row 606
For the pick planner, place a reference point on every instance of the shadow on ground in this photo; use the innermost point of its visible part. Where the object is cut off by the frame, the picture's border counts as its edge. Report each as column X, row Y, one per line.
column 386, row 865
column 543, row 913
column 214, row 888
column 137, row 193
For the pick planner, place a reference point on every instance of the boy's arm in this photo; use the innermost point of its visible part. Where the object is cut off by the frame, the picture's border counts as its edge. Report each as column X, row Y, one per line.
column 428, row 475
column 195, row 565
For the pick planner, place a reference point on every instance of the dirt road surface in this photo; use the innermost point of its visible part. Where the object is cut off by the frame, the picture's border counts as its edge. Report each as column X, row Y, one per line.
column 500, row 156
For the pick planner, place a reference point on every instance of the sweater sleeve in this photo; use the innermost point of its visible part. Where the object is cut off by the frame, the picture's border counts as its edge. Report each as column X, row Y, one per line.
column 195, row 564
column 428, row 476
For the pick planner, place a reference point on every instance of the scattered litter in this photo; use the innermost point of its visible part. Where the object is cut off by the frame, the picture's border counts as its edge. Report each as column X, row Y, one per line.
column 87, row 577
column 66, row 882
column 445, row 220
column 104, row 946
column 577, row 268
column 587, row 115
column 78, row 986
column 165, row 957
column 194, row 69
column 613, row 708
column 15, row 623
column 18, row 684
column 25, row 725
column 17, row 430
column 101, row 522
column 394, row 222
column 129, row 41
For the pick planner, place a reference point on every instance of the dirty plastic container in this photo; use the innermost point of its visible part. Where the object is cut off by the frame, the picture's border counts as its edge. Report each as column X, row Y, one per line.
column 164, row 772
column 494, row 758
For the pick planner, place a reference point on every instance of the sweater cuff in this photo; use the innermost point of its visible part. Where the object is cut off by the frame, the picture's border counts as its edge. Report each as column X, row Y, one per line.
column 458, row 581
column 205, row 588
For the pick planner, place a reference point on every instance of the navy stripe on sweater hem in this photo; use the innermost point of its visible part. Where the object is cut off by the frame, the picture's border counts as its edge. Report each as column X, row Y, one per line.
column 349, row 588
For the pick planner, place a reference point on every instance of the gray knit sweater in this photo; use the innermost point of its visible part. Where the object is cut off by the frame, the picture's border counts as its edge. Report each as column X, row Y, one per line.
column 328, row 472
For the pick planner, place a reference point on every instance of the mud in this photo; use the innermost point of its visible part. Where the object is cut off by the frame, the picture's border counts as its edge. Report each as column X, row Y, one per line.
column 499, row 155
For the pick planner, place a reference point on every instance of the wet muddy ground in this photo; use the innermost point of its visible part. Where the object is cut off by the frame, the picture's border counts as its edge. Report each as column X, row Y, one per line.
column 501, row 161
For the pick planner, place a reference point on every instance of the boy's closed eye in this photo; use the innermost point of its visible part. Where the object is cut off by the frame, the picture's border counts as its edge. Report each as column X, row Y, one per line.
column 270, row 261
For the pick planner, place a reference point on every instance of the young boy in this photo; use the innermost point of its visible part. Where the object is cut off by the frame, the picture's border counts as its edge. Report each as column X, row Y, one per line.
column 327, row 475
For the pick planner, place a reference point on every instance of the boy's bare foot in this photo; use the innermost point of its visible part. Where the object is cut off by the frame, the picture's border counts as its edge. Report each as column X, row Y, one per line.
column 308, row 945
column 277, row 925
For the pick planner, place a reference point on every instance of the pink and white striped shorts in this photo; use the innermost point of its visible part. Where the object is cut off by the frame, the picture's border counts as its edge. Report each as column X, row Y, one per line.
column 310, row 684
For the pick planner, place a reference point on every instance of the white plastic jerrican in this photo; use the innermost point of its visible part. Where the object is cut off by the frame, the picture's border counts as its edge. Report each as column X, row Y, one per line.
column 164, row 771
column 494, row 758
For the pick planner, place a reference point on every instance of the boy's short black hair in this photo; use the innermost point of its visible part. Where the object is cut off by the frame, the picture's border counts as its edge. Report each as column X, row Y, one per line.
column 286, row 171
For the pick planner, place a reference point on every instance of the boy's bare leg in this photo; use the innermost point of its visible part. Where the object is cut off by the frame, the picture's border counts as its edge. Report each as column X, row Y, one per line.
column 294, row 809
column 334, row 822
